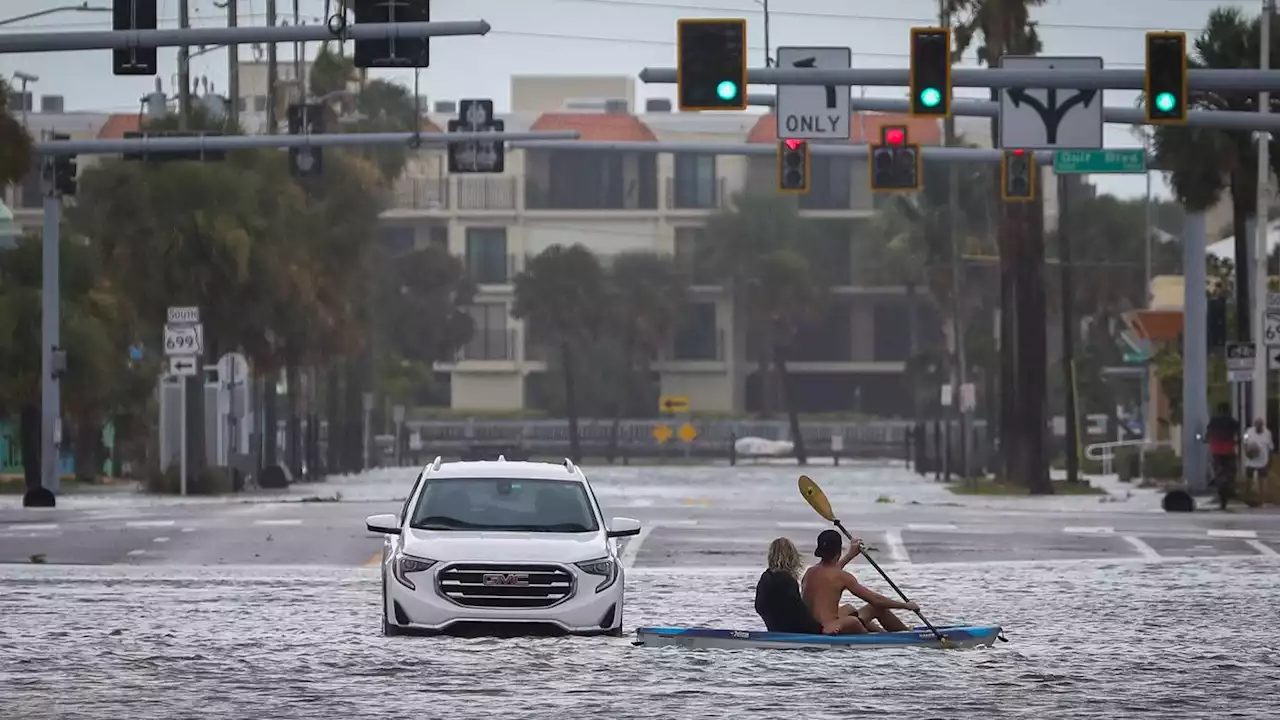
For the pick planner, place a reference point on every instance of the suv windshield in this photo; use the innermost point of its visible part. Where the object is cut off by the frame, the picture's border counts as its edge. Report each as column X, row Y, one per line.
column 521, row 505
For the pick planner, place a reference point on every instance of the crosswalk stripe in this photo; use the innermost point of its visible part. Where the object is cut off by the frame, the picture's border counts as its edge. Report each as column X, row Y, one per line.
column 1242, row 534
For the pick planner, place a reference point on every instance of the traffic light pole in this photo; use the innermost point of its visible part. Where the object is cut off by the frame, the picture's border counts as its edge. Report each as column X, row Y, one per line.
column 126, row 39
column 212, row 143
column 1220, row 120
column 50, row 383
column 1114, row 79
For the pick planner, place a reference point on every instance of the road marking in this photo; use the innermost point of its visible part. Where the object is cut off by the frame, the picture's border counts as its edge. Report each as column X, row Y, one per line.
column 1243, row 534
column 930, row 527
column 188, row 529
column 160, row 540
column 34, row 526
column 278, row 522
column 151, row 523
column 1079, row 530
column 750, row 571
column 785, row 525
column 1145, row 550
column 375, row 560
column 897, row 550
column 137, row 552
column 633, row 545
column 1262, row 548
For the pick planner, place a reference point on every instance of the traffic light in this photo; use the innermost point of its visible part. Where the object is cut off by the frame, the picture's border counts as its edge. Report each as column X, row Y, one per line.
column 1017, row 176
column 1166, row 77
column 931, row 72
column 398, row 52
column 1216, row 322
column 133, row 15
column 793, row 166
column 711, row 71
column 307, row 119
column 63, row 168
column 895, row 163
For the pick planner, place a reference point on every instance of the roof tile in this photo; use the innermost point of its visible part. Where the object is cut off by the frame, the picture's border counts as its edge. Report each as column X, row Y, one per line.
column 118, row 124
column 606, row 127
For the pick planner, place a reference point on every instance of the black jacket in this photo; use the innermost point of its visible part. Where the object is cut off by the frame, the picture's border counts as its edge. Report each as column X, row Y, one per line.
column 779, row 604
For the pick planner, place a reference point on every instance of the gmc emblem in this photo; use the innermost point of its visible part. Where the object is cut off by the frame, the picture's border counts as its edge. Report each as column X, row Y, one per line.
column 506, row 579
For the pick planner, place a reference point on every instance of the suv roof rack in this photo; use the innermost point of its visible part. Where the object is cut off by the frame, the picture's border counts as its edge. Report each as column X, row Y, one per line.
column 435, row 464
column 568, row 465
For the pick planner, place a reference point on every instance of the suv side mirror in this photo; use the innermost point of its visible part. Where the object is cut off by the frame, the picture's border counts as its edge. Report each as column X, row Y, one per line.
column 623, row 527
column 384, row 524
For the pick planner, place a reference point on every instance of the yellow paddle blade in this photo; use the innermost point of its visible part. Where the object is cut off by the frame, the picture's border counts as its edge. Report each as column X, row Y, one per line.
column 816, row 498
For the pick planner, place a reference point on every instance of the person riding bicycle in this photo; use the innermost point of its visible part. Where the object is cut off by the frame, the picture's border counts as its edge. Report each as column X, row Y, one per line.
column 1223, row 433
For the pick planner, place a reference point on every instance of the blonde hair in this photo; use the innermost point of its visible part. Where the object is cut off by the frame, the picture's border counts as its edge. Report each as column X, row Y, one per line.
column 784, row 556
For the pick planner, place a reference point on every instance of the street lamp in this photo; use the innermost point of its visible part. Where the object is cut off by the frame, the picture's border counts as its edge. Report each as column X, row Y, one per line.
column 82, row 7
column 24, row 78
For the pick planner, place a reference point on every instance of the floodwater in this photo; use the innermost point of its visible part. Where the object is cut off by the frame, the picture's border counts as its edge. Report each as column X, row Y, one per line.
column 1120, row 640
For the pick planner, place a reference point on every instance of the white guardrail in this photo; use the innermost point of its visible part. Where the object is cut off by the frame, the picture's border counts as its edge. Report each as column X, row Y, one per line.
column 1105, row 451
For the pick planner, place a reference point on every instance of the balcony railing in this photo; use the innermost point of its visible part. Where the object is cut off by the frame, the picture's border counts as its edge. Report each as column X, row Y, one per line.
column 415, row 193
column 704, row 348
column 492, row 271
column 485, row 193
column 636, row 198
column 693, row 195
column 489, row 344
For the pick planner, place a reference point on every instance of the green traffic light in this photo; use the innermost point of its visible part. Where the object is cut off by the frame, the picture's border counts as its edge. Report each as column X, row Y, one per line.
column 930, row 97
column 1165, row 102
column 727, row 90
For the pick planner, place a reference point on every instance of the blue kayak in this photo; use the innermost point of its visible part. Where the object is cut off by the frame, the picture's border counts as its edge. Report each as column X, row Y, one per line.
column 958, row 636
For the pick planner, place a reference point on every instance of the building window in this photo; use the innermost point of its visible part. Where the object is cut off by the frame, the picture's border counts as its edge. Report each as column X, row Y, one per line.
column 589, row 180
column 831, row 184
column 259, row 103
column 697, row 337
column 486, row 255
column 490, row 337
column 438, row 237
column 397, row 239
column 892, row 341
column 695, row 181
column 693, row 255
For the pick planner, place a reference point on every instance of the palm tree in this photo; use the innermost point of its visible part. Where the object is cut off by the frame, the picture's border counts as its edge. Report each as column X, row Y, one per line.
column 758, row 247
column 648, row 295
column 1006, row 28
column 563, row 297
column 1206, row 162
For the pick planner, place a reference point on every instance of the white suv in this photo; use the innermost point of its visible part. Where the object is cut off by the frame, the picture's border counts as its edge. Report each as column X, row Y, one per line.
column 499, row 547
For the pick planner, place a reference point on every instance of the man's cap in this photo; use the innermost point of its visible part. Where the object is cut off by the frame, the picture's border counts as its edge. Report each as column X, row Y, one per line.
column 829, row 542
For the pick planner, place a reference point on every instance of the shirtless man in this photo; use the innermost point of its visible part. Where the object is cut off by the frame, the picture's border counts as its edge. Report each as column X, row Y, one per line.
column 825, row 583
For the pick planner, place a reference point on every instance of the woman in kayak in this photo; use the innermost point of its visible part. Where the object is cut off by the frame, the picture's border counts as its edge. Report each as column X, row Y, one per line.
column 778, row 600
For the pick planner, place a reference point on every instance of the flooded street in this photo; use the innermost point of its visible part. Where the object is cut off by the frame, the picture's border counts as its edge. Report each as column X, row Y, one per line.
column 1181, row 623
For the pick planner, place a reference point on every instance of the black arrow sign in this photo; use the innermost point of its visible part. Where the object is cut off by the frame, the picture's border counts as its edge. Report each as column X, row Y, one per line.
column 1052, row 113
column 811, row 62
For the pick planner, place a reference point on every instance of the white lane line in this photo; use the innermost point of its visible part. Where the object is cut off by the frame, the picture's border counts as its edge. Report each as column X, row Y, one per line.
column 682, row 570
column 1262, row 548
column 151, row 523
column 931, row 527
column 1243, row 534
column 278, row 522
column 1145, row 550
column 137, row 552
column 793, row 525
column 633, row 545
column 897, row 551
column 161, row 540
column 1082, row 530
column 34, row 527
column 188, row 529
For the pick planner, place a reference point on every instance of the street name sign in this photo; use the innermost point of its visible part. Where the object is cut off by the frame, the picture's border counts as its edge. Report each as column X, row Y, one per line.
column 814, row 112
column 1127, row 161
column 1044, row 119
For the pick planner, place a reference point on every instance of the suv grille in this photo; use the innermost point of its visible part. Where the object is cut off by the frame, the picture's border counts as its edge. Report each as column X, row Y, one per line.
column 505, row 586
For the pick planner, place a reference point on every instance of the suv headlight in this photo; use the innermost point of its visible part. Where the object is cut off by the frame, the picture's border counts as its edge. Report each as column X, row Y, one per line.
column 405, row 564
column 606, row 568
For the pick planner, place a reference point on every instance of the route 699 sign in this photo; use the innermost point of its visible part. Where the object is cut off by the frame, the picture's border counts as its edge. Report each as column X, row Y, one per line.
column 183, row 340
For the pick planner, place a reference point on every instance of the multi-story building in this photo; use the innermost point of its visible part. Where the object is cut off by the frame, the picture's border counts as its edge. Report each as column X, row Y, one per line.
column 611, row 201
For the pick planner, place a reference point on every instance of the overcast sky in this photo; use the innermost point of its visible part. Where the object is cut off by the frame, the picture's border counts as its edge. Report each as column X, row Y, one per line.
column 610, row 37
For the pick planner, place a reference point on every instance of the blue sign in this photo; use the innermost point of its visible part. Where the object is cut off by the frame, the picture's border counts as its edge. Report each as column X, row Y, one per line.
column 135, row 352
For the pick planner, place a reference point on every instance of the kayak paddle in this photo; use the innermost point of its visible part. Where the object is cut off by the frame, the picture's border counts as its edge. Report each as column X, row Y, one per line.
column 818, row 501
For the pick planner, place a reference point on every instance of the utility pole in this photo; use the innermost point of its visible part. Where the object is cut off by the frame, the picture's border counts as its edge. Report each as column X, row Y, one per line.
column 768, row 57
column 273, row 72
column 233, row 67
column 1260, row 253
column 299, row 51
column 957, row 232
column 184, row 69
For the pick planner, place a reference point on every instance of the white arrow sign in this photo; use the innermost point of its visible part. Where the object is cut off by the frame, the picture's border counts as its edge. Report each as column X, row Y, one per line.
column 814, row 112
column 1042, row 119
column 183, row 366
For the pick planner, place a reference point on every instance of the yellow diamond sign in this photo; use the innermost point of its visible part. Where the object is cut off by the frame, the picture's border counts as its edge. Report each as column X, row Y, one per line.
column 687, row 432
column 662, row 432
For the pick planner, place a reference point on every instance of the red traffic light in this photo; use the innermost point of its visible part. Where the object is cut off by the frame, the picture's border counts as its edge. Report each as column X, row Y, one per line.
column 895, row 136
column 1019, row 152
column 794, row 144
